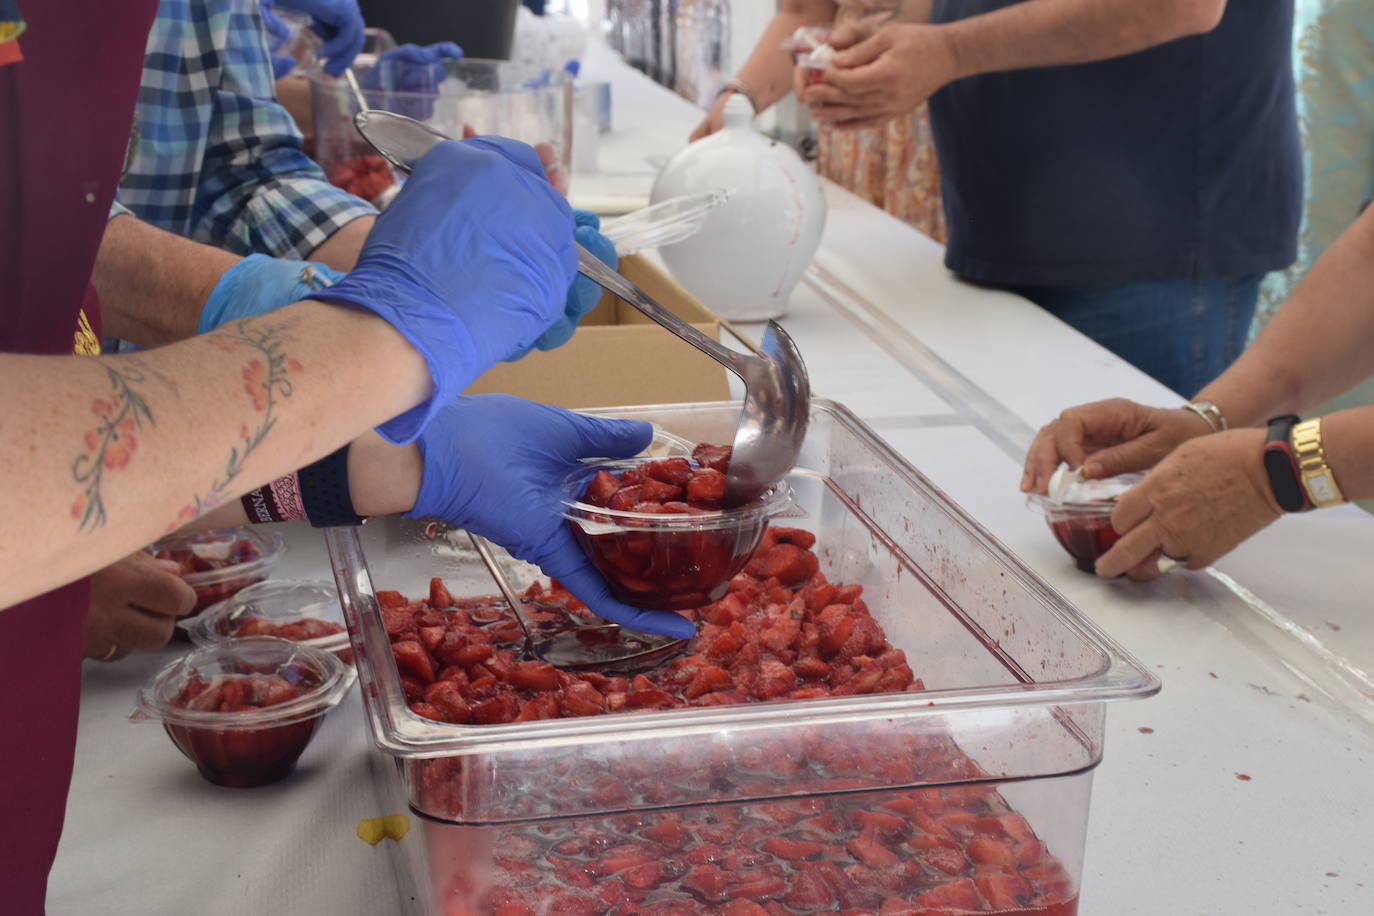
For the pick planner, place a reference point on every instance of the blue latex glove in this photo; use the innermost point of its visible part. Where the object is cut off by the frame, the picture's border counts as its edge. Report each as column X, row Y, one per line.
column 277, row 36
column 493, row 465
column 339, row 23
column 259, row 284
column 583, row 295
column 411, row 69
column 470, row 263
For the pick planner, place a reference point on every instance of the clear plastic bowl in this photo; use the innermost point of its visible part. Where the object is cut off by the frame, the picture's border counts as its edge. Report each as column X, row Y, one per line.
column 220, row 563
column 1083, row 527
column 475, row 97
column 666, row 562
column 251, row 745
column 291, row 609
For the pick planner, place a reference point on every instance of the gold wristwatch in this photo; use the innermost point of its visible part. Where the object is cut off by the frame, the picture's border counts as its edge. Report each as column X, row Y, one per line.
column 1317, row 478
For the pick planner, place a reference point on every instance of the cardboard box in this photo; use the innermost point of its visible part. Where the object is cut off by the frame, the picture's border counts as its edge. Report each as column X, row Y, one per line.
column 618, row 356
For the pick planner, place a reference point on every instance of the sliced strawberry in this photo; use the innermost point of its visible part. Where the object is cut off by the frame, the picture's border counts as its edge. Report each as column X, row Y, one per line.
column 601, row 488
column 533, row 675
column 412, row 659
column 985, row 850
column 439, row 595
column 716, row 457
column 706, row 488
column 792, row 850
column 789, row 564
column 501, row 708
column 956, row 895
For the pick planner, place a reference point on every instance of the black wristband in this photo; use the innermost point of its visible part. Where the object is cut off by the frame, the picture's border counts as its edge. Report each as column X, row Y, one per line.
column 1282, row 467
column 324, row 492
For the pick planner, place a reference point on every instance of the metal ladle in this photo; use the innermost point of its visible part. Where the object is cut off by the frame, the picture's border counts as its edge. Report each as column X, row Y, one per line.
column 608, row 647
column 777, row 391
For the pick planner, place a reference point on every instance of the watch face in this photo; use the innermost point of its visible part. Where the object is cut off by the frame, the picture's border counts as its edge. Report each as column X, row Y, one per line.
column 1319, row 485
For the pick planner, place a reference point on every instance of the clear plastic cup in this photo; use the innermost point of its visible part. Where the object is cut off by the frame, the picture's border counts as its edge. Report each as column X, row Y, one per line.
column 662, row 561
column 304, row 611
column 220, row 563
column 810, row 51
column 244, row 711
column 1080, row 516
column 474, row 97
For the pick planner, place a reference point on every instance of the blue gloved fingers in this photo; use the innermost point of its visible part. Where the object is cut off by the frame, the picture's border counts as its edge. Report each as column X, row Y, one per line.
column 583, row 295
column 277, row 32
column 586, row 218
column 600, row 437
column 564, row 560
column 258, row 284
column 522, row 154
column 339, row 49
column 282, row 66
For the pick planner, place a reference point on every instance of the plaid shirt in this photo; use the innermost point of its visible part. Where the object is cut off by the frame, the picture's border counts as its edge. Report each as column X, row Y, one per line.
column 217, row 159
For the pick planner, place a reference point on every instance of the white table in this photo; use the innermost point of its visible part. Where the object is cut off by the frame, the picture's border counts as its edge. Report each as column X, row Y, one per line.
column 1266, row 676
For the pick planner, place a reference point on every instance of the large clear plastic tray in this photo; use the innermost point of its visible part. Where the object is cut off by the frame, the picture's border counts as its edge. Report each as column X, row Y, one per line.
column 1016, row 677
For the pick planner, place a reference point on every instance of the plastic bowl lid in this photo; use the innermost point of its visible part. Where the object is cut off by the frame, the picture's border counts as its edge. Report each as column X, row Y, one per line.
column 276, row 600
column 250, row 655
column 1070, row 496
column 778, row 500
column 217, row 543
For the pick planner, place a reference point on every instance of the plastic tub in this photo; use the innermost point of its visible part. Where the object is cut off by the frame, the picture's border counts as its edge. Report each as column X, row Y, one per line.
column 1012, row 716
column 668, row 562
column 1081, row 523
column 475, row 97
column 243, row 712
column 221, row 562
column 304, row 611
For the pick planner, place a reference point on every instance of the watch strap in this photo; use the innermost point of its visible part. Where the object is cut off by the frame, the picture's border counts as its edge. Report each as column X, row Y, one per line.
column 1315, row 474
column 1281, row 466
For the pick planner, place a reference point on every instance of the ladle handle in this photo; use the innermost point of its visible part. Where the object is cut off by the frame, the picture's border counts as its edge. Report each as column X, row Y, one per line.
column 592, row 267
column 517, row 606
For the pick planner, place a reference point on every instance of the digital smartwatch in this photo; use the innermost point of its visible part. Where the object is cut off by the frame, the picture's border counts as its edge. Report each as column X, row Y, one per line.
column 1282, row 465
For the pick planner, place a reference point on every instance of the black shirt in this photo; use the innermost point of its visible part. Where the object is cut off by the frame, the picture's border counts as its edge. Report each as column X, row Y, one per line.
column 1178, row 162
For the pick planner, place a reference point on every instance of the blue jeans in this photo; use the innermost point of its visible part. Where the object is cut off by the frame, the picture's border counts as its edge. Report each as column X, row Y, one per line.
column 1183, row 333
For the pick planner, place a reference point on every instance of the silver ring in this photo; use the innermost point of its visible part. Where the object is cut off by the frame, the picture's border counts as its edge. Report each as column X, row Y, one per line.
column 114, row 647
column 1166, row 564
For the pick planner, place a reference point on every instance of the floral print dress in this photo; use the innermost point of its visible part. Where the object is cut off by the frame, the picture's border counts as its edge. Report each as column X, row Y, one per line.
column 892, row 166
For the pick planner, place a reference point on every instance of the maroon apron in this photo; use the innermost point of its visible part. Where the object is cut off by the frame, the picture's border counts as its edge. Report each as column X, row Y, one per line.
column 66, row 110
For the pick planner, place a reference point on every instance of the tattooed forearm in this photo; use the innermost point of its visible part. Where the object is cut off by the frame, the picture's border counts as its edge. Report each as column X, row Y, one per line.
column 110, row 445
column 266, row 381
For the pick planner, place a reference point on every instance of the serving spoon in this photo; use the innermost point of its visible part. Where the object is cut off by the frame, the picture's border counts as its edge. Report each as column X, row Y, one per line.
column 777, row 391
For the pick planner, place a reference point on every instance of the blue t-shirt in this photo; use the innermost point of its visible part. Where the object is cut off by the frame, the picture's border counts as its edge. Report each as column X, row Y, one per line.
column 1178, row 162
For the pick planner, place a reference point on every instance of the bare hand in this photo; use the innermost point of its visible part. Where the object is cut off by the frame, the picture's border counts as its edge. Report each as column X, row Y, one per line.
column 714, row 120
column 1202, row 500
column 1106, row 438
column 883, row 71
column 134, row 605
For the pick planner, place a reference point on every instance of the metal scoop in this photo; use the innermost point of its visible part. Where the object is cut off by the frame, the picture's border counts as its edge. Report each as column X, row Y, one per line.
column 607, row 647
column 777, row 391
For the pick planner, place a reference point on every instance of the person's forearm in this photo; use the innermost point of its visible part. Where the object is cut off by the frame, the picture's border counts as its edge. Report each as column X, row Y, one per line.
column 152, row 283
column 340, row 250
column 1044, row 33
column 1348, row 445
column 1318, row 344
column 383, row 479
column 768, row 71
column 104, row 454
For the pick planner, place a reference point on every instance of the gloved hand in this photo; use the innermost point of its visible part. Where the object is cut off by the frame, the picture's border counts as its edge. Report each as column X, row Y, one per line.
column 493, row 464
column 259, row 284
column 339, row 23
column 277, row 37
column 583, row 295
column 470, row 263
column 412, row 69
